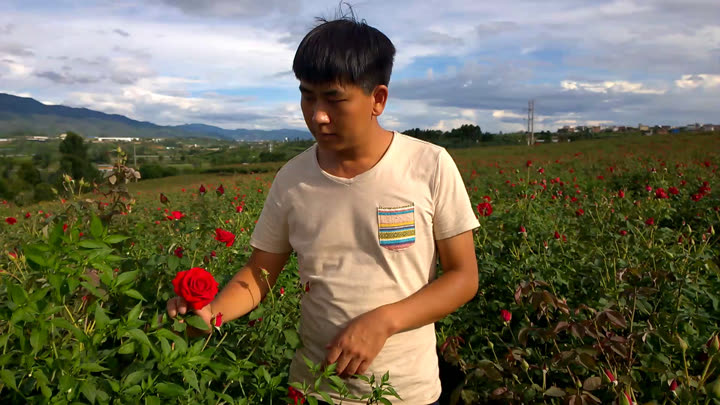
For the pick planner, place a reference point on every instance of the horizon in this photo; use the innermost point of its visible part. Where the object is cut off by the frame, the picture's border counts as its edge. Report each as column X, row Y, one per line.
column 584, row 63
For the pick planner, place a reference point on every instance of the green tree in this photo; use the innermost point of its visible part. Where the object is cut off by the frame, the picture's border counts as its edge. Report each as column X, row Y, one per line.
column 29, row 174
column 74, row 160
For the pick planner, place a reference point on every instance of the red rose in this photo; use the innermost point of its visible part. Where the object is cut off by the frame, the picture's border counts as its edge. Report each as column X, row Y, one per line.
column 10, row 220
column 239, row 208
column 528, row 163
column 220, row 190
column 218, row 320
column 228, row 238
column 485, row 209
column 623, row 232
column 673, row 190
column 176, row 215
column 163, row 199
column 179, row 252
column 660, row 193
column 505, row 315
column 580, row 212
column 296, row 396
column 27, row 215
column 621, row 194
column 650, row 221
column 197, row 286
column 201, row 190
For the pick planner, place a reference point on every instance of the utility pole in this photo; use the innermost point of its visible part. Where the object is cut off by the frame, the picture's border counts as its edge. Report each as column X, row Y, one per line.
column 134, row 157
column 531, row 123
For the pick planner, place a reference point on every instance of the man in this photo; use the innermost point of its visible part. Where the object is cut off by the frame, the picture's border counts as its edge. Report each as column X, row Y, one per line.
column 367, row 211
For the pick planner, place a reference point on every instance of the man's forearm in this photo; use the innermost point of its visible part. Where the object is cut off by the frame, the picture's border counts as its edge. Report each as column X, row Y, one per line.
column 431, row 303
column 242, row 294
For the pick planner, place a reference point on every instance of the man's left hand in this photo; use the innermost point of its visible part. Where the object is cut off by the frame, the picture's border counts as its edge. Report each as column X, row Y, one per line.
column 356, row 346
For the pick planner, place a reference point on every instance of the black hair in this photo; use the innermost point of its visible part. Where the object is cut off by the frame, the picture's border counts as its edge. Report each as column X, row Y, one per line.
column 345, row 50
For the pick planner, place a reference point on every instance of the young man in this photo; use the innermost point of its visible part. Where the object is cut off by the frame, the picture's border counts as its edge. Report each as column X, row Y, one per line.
column 367, row 211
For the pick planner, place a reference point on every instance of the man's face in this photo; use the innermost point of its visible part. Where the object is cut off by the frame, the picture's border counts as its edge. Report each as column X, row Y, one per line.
column 337, row 115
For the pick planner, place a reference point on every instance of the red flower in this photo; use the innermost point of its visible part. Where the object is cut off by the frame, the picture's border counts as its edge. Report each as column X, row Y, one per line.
column 485, row 209
column 254, row 321
column 197, row 286
column 673, row 385
column 163, row 199
column 505, row 315
column 650, row 221
column 623, row 232
column 697, row 197
column 541, row 170
column 648, row 188
column 65, row 227
column 27, row 215
column 282, row 290
column 296, row 396
column 487, row 198
column 621, row 194
column 580, row 212
column 218, row 320
column 201, row 190
column 673, row 190
column 178, row 252
column 610, row 376
column 228, row 238
column 557, row 235
column 528, row 163
column 239, row 208
column 522, row 229
column 220, row 190
column 13, row 255
column 176, row 215
column 10, row 220
column 661, row 193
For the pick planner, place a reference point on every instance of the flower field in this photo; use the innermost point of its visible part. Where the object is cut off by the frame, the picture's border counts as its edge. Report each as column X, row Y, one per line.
column 599, row 283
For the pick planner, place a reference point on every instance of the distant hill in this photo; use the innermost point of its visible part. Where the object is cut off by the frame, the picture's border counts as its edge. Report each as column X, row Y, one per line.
column 23, row 115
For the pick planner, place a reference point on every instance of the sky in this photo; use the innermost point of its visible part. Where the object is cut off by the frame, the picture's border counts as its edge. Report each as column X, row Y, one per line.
column 228, row 62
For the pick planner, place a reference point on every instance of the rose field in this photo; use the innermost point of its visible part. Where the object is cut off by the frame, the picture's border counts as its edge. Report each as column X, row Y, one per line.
column 599, row 283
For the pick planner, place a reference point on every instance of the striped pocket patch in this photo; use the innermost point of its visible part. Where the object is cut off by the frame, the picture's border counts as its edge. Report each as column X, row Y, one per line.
column 396, row 227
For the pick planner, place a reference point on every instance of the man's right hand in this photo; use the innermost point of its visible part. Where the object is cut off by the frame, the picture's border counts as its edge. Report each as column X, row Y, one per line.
column 178, row 305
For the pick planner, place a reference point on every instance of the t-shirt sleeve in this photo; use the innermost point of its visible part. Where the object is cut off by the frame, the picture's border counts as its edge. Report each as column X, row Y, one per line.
column 453, row 211
column 271, row 232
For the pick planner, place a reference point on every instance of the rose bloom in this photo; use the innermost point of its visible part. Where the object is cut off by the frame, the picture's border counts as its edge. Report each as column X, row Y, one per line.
column 505, row 315
column 197, row 286
column 228, row 238
column 673, row 191
column 660, row 193
column 10, row 220
column 485, row 209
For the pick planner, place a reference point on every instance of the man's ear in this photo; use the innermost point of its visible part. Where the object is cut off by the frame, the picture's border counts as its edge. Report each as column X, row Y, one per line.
column 380, row 97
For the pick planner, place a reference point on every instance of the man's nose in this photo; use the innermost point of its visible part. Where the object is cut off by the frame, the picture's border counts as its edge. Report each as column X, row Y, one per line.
column 321, row 116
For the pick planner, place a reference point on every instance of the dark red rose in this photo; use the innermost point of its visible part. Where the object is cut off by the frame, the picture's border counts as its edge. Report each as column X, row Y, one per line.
column 197, row 286
column 228, row 238
column 179, row 252
column 485, row 209
column 220, row 190
column 10, row 220
column 505, row 315
column 163, row 199
column 201, row 190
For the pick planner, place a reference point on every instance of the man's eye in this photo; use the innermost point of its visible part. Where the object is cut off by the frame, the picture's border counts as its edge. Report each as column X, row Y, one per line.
column 336, row 101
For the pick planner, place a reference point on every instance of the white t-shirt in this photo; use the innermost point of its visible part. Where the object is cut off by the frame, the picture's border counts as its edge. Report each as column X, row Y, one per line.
column 365, row 242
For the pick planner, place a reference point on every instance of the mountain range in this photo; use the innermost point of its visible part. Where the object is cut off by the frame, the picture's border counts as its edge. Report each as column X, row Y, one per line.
column 24, row 116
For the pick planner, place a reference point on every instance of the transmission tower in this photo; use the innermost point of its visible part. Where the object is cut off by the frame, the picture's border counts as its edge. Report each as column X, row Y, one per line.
column 531, row 123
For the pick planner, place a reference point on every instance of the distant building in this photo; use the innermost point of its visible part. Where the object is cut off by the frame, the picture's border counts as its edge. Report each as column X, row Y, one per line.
column 37, row 138
column 708, row 128
column 4, row 140
column 62, row 136
column 642, row 127
column 116, row 139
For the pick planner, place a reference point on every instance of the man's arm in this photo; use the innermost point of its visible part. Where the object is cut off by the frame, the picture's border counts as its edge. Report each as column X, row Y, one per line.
column 457, row 285
column 359, row 343
column 243, row 293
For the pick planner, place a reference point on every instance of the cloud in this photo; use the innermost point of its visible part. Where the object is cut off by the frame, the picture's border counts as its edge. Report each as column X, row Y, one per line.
column 121, row 32
column 15, row 50
column 234, row 8
column 67, row 78
column 698, row 81
column 7, row 29
column 620, row 86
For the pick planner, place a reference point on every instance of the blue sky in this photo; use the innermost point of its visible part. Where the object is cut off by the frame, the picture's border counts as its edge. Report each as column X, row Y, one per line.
column 227, row 62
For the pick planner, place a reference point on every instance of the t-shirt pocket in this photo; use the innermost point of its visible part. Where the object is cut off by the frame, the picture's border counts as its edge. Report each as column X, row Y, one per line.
column 396, row 227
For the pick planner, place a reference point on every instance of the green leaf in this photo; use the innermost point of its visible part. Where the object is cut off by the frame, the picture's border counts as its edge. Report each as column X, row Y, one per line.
column 96, row 227
column 139, row 336
column 173, row 262
column 93, row 367
column 385, row 401
column 170, row 389
column 38, row 338
column 197, row 322
column 312, row 400
column 101, row 319
column 65, row 324
column 8, row 378
column 127, row 348
column 291, row 337
column 555, row 392
column 126, row 277
column 17, row 293
column 135, row 294
column 112, row 239
column 56, row 235
column 152, row 401
column 36, row 258
column 134, row 378
column 92, row 244
column 89, row 391
column 190, row 377
column 326, row 397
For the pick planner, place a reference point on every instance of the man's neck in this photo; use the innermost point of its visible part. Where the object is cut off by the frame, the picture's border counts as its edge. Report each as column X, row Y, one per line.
column 358, row 160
